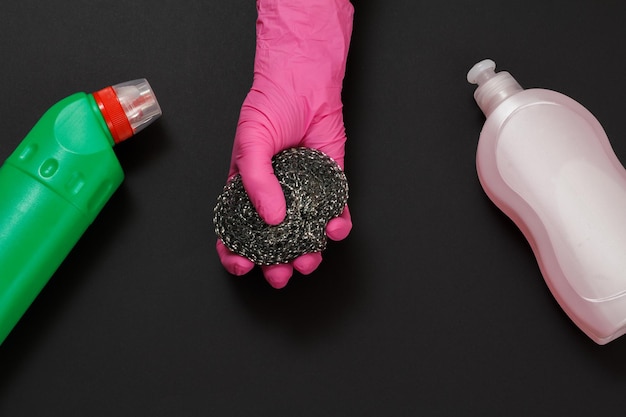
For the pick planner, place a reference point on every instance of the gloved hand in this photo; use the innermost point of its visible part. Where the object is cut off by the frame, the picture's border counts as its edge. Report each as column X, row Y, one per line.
column 295, row 100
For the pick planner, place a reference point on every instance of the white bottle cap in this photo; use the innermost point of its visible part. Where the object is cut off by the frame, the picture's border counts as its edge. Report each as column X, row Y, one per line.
column 139, row 103
column 493, row 88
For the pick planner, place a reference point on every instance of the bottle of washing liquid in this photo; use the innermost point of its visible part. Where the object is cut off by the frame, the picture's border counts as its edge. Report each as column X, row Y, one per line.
column 56, row 182
column 546, row 162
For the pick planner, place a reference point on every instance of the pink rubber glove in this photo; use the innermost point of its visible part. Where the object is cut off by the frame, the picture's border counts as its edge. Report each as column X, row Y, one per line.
column 295, row 100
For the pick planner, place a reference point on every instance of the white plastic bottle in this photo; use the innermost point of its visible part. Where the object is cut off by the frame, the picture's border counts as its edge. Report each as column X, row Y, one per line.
column 546, row 162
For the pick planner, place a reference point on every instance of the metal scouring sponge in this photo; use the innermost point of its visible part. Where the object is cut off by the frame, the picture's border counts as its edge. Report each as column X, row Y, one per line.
column 316, row 190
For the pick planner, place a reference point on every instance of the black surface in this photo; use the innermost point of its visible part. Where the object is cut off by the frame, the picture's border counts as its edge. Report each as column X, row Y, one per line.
column 433, row 306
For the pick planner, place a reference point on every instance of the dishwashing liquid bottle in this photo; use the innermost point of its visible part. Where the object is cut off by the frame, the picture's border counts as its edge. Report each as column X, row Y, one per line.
column 547, row 163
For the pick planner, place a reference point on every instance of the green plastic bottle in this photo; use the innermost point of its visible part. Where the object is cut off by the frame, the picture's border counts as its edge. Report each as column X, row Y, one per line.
column 56, row 182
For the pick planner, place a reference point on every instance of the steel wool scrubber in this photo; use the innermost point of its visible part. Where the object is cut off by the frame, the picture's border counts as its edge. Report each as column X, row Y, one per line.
column 316, row 190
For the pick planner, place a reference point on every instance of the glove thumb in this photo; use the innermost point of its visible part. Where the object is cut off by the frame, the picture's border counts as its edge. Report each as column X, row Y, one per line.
column 253, row 160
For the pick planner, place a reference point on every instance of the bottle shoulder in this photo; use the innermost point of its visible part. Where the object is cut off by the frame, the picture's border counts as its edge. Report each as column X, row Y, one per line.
column 531, row 97
column 538, row 106
column 77, row 125
column 69, row 151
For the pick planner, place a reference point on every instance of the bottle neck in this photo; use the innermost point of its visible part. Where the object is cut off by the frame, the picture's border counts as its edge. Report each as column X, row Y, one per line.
column 495, row 90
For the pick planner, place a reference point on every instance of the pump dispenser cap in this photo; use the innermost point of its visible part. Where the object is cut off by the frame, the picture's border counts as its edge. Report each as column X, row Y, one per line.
column 128, row 107
column 493, row 88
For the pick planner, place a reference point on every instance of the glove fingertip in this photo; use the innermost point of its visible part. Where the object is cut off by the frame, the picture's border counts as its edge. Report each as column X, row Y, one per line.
column 233, row 263
column 307, row 263
column 278, row 275
column 268, row 199
column 339, row 228
column 272, row 211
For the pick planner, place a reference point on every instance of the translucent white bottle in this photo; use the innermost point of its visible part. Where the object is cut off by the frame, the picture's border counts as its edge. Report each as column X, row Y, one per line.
column 546, row 162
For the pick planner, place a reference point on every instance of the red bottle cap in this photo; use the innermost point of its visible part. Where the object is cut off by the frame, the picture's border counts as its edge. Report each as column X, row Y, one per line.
column 127, row 108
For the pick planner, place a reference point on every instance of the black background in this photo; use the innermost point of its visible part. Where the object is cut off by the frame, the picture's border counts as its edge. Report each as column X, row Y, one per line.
column 433, row 306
